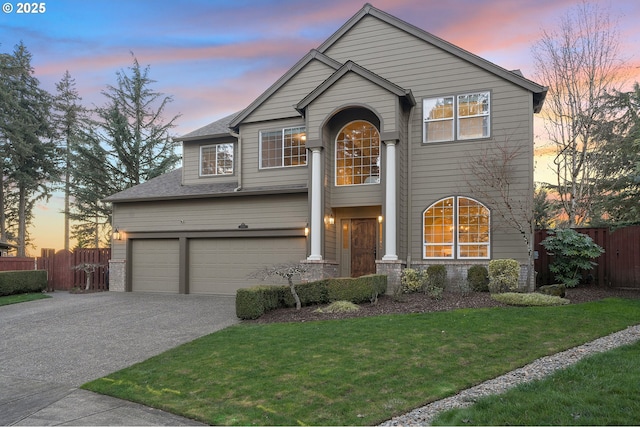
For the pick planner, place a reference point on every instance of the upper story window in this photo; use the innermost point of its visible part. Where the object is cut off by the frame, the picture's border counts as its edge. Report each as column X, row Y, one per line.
column 358, row 154
column 216, row 159
column 456, row 227
column 458, row 117
column 283, row 148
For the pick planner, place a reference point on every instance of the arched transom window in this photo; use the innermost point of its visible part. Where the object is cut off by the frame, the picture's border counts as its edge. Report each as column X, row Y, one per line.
column 358, row 154
column 457, row 227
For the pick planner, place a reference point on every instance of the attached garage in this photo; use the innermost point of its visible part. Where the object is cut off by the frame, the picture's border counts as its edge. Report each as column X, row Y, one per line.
column 222, row 266
column 155, row 265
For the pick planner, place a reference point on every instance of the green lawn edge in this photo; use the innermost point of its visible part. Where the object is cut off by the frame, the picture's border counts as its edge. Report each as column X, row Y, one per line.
column 18, row 298
column 358, row 371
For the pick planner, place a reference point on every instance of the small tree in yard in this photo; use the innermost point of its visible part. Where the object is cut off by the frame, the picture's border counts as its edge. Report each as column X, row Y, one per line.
column 286, row 271
column 88, row 268
column 572, row 252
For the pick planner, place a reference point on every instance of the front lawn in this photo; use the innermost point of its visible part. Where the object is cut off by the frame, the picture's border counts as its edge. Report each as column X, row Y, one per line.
column 601, row 390
column 14, row 299
column 358, row 371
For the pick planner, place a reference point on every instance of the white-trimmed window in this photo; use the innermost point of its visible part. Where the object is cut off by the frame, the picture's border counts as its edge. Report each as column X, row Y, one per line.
column 460, row 117
column 283, row 148
column 216, row 159
column 456, row 227
column 357, row 154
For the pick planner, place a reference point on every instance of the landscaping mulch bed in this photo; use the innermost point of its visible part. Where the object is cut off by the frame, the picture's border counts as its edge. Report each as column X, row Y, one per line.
column 421, row 303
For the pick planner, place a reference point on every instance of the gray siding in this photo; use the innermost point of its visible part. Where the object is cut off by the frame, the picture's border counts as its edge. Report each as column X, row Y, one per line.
column 266, row 212
column 191, row 162
column 281, row 103
column 252, row 175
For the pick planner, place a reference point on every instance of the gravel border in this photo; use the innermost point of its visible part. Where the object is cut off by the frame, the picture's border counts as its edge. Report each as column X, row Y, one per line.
column 536, row 370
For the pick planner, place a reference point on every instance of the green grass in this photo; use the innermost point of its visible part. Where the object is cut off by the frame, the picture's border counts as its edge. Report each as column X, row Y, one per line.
column 15, row 299
column 600, row 390
column 355, row 371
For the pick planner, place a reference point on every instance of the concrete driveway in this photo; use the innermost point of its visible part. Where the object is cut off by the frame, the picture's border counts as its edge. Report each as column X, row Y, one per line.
column 50, row 347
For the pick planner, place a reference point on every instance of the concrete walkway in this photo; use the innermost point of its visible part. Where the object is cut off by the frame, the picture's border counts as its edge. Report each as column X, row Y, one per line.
column 48, row 348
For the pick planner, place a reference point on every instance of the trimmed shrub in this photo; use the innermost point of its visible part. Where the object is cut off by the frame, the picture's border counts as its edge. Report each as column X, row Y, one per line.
column 253, row 302
column 22, row 282
column 437, row 275
column 413, row 280
column 529, row 300
column 503, row 275
column 358, row 289
column 311, row 293
column 478, row 278
column 250, row 302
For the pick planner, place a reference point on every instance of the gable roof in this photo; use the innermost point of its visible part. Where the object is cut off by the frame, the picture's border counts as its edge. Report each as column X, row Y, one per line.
column 216, row 129
column 351, row 66
column 539, row 92
column 169, row 187
column 312, row 55
column 515, row 78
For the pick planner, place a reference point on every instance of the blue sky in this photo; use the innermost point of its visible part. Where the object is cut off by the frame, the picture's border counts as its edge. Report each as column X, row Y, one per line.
column 214, row 57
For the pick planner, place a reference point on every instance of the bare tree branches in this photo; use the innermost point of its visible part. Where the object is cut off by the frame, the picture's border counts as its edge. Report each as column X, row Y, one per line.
column 579, row 61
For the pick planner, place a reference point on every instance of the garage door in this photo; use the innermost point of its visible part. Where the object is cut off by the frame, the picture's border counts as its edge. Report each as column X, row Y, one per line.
column 155, row 265
column 222, row 266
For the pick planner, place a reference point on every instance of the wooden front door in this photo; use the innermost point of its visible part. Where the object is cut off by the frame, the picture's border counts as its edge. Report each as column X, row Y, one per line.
column 363, row 247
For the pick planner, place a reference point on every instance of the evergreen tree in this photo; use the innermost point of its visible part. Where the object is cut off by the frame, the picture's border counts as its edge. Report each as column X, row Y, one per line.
column 29, row 155
column 70, row 117
column 131, row 144
column 619, row 159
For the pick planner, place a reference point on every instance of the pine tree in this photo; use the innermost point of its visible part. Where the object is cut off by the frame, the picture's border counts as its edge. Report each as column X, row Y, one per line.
column 29, row 155
column 131, row 144
column 70, row 117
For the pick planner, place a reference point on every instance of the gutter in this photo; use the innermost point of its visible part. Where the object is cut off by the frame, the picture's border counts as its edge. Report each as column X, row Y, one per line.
column 239, row 162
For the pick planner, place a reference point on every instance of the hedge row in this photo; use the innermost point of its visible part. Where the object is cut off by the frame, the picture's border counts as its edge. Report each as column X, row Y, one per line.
column 253, row 302
column 21, row 282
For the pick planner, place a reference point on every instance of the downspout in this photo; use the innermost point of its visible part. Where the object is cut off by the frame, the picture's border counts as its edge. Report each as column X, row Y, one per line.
column 409, row 185
column 239, row 159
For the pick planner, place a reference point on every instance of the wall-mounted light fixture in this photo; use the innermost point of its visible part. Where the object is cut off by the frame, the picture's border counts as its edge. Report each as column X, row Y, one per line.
column 380, row 218
column 117, row 235
column 332, row 220
column 306, row 230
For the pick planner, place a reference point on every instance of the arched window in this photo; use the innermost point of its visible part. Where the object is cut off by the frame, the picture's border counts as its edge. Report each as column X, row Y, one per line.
column 358, row 154
column 456, row 227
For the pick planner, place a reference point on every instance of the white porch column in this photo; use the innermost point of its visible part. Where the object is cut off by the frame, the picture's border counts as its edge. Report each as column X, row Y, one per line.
column 390, row 224
column 315, row 232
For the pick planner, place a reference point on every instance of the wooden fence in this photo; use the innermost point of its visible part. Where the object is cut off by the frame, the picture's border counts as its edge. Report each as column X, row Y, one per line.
column 61, row 267
column 63, row 273
column 9, row 263
column 618, row 266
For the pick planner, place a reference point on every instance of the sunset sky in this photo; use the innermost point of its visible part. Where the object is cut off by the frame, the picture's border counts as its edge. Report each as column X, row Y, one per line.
column 215, row 57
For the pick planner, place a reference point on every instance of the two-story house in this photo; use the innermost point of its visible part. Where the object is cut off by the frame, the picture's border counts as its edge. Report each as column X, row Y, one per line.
column 352, row 162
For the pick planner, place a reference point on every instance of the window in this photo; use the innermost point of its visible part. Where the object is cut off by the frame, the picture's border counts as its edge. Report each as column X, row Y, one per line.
column 465, row 116
column 216, row 159
column 456, row 227
column 283, row 148
column 358, row 154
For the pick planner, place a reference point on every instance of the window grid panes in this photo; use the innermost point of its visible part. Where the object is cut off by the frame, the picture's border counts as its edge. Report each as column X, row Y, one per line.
column 438, row 121
column 216, row 160
column 469, row 219
column 358, row 154
column 460, row 117
column 283, row 148
column 473, row 115
column 438, row 230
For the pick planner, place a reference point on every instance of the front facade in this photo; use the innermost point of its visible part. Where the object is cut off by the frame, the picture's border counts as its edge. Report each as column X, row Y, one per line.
column 355, row 161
